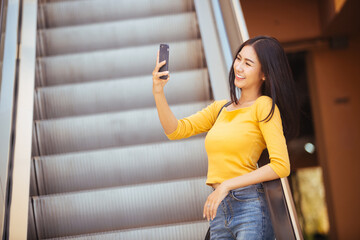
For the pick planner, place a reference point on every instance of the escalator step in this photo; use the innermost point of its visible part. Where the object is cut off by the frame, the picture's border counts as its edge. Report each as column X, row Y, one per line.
column 116, row 63
column 120, row 166
column 118, row 94
column 93, row 132
column 184, row 231
column 68, row 13
column 120, row 208
column 101, row 36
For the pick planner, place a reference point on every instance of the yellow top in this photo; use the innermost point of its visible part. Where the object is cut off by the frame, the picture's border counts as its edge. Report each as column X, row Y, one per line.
column 236, row 139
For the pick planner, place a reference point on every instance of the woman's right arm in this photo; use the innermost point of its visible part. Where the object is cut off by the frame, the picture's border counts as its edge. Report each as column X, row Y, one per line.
column 166, row 116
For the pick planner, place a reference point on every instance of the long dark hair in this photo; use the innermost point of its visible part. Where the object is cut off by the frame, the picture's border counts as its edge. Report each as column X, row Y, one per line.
column 278, row 85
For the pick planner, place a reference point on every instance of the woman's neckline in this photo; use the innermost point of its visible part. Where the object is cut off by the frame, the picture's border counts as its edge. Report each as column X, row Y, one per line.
column 237, row 109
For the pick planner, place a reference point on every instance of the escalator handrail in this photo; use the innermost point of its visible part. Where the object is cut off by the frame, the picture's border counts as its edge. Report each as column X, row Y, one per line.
column 22, row 150
column 7, row 103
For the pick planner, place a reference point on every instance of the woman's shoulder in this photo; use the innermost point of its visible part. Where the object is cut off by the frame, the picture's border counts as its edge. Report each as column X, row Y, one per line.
column 263, row 106
column 219, row 103
column 264, row 100
column 216, row 105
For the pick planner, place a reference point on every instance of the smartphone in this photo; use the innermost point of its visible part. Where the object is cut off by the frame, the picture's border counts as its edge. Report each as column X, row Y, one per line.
column 164, row 55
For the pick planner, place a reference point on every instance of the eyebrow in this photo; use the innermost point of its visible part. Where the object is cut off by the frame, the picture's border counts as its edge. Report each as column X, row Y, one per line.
column 247, row 59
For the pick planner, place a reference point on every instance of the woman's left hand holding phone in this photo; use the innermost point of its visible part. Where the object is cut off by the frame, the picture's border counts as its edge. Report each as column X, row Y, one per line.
column 158, row 84
column 166, row 116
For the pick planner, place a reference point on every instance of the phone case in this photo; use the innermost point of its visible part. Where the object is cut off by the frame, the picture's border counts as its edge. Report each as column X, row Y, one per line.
column 164, row 55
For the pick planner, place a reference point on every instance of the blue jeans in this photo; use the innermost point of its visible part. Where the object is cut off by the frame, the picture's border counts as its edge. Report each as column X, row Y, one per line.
column 243, row 214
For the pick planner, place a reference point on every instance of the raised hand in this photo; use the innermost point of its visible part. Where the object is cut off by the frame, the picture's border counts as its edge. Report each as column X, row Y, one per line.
column 158, row 84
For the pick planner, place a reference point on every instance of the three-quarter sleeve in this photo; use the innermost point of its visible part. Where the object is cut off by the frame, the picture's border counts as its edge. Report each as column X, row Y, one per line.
column 273, row 134
column 200, row 122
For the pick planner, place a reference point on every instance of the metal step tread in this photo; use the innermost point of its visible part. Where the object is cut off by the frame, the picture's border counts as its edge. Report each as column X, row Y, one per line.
column 115, row 63
column 98, row 131
column 188, row 231
column 116, row 167
column 120, row 208
column 118, row 94
column 125, row 33
column 103, row 165
column 65, row 13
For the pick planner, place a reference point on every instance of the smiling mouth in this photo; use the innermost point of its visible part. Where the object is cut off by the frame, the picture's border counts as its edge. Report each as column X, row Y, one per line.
column 237, row 76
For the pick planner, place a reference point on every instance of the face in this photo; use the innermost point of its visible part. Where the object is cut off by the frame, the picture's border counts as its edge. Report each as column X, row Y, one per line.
column 247, row 69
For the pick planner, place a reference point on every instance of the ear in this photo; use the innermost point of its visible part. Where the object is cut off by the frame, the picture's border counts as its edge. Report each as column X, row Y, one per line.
column 262, row 77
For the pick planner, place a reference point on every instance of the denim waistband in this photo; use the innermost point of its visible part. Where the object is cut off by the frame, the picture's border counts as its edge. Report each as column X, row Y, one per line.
column 257, row 185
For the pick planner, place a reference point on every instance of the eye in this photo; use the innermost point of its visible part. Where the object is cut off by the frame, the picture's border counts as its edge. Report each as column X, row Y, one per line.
column 248, row 64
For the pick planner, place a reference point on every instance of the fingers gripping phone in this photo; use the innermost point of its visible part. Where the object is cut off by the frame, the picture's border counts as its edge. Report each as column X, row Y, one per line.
column 164, row 55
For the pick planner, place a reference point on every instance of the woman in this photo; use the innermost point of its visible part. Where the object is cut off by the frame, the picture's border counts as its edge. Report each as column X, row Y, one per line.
column 237, row 136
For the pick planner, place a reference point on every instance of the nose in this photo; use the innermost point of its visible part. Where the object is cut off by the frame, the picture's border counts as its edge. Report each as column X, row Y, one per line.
column 238, row 66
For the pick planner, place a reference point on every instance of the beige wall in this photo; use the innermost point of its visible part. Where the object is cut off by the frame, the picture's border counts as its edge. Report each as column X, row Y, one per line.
column 334, row 85
column 286, row 20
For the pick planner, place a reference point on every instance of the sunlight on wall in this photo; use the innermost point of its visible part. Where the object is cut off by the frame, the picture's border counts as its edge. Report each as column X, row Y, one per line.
column 338, row 5
column 309, row 197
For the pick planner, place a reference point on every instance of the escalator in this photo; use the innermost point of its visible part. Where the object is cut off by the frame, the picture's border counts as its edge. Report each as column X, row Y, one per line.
column 102, row 167
column 82, row 153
